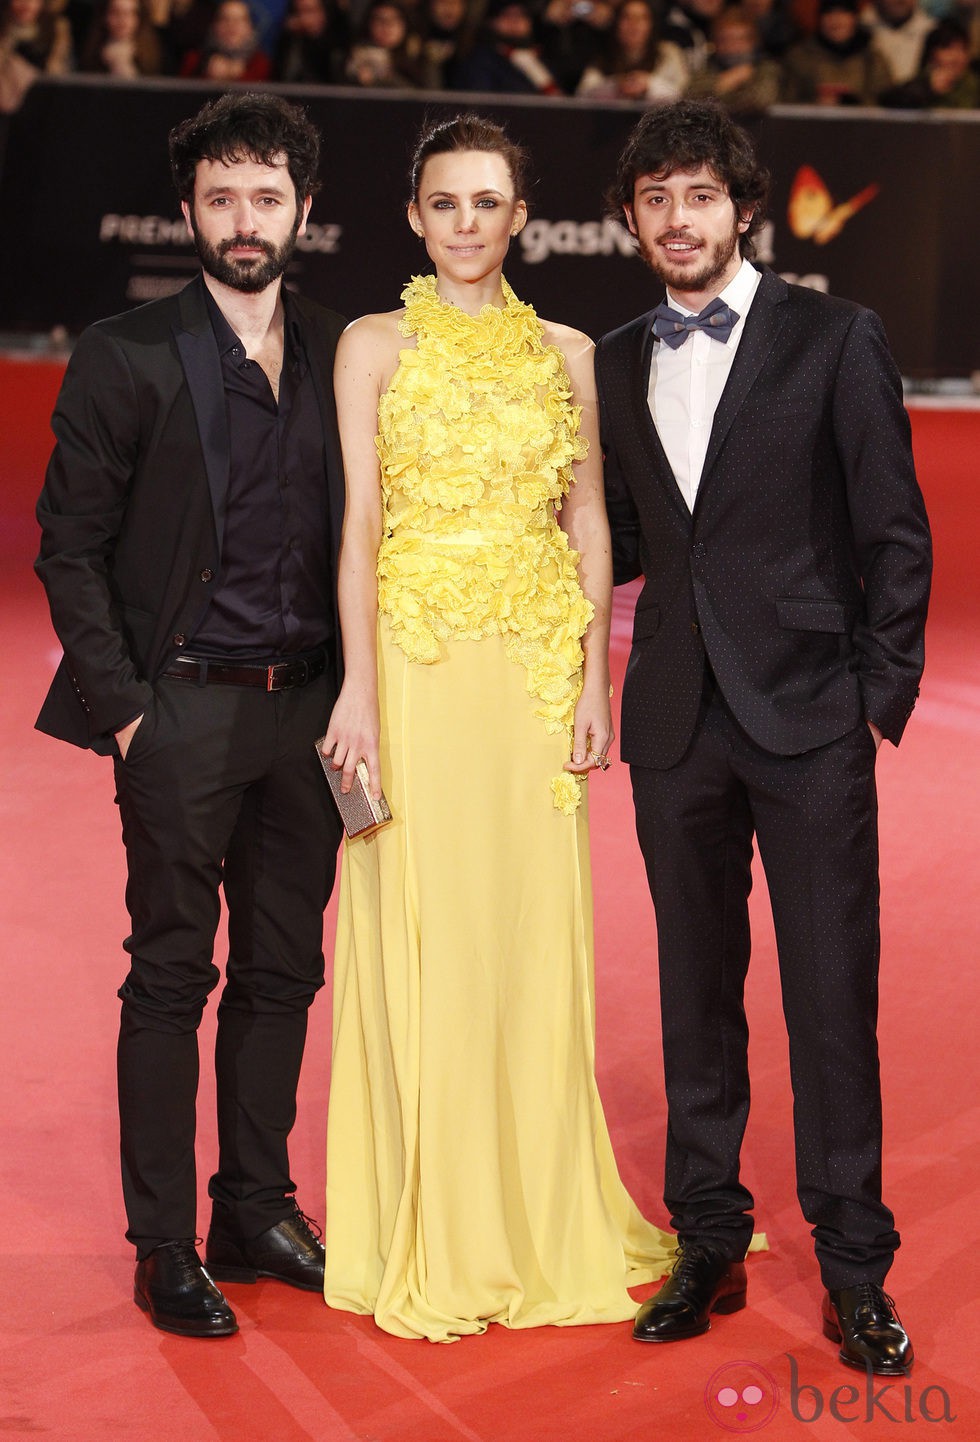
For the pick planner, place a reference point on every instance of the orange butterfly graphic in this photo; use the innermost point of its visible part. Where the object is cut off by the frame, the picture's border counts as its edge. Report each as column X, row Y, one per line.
column 811, row 211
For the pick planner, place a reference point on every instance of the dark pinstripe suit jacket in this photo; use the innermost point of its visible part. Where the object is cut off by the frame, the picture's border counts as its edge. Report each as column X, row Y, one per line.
column 804, row 570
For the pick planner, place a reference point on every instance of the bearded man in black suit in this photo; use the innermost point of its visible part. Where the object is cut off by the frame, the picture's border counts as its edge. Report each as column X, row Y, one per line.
column 191, row 516
column 760, row 477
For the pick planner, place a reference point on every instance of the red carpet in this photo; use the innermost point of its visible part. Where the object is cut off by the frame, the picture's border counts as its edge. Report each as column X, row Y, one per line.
column 80, row 1363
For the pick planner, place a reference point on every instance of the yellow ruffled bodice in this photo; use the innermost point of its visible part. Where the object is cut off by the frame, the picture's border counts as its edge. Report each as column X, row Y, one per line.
column 477, row 437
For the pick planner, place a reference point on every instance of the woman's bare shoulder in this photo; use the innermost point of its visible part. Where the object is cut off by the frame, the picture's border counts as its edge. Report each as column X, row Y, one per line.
column 374, row 329
column 372, row 341
column 574, row 345
column 567, row 339
column 577, row 350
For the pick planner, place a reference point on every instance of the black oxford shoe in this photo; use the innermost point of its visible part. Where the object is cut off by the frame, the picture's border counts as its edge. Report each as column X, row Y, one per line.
column 291, row 1251
column 701, row 1281
column 173, row 1287
column 863, row 1319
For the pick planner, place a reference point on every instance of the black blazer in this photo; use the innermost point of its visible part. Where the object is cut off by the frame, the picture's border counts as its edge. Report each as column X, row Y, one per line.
column 132, row 510
column 804, row 571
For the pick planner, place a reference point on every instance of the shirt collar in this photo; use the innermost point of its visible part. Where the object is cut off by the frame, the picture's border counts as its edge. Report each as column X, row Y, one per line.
column 293, row 325
column 223, row 333
column 227, row 340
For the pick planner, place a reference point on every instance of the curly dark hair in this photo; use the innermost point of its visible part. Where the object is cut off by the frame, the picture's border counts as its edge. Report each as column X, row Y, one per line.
column 685, row 136
column 470, row 132
column 247, row 126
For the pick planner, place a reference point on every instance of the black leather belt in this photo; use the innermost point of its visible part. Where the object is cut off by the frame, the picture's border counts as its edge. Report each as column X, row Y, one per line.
column 279, row 676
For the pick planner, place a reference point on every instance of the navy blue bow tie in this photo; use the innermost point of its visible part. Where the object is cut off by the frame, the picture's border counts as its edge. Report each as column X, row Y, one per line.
column 717, row 320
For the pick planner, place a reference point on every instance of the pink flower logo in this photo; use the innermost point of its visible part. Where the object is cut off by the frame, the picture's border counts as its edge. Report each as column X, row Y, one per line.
column 741, row 1397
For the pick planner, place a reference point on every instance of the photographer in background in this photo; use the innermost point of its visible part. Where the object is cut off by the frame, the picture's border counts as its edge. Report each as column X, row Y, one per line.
column 386, row 55
column 737, row 73
column 687, row 24
column 946, row 80
column 837, row 65
column 573, row 34
column 507, row 59
column 637, row 64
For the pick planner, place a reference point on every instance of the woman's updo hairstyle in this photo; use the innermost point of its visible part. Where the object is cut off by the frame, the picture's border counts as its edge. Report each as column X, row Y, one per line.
column 470, row 132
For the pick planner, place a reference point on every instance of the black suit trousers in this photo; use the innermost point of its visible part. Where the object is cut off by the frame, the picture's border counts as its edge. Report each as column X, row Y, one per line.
column 814, row 817
column 221, row 784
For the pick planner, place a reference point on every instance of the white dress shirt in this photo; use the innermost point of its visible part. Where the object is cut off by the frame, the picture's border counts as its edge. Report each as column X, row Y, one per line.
column 686, row 384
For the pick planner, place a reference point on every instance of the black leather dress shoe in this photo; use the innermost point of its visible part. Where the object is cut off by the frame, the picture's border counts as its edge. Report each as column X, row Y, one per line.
column 173, row 1287
column 291, row 1251
column 701, row 1281
column 863, row 1319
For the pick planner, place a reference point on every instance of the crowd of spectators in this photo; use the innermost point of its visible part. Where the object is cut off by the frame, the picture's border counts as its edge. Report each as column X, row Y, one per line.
column 908, row 54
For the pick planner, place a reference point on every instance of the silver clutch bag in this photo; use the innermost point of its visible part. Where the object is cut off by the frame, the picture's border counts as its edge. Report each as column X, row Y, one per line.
column 358, row 809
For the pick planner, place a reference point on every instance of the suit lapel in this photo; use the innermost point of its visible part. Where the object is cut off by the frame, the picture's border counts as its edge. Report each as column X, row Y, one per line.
column 643, row 426
column 321, row 364
column 762, row 325
column 202, row 368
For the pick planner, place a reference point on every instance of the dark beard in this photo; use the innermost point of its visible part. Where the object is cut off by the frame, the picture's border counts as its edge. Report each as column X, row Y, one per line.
column 249, row 276
column 699, row 281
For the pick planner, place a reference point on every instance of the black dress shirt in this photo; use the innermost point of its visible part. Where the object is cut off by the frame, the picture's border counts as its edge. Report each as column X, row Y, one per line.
column 272, row 597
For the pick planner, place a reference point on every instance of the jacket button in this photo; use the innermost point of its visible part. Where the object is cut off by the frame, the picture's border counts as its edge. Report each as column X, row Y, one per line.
column 180, row 639
column 207, row 574
column 695, row 628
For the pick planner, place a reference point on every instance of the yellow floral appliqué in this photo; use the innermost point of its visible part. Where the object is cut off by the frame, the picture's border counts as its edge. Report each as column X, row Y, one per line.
column 477, row 440
column 566, row 788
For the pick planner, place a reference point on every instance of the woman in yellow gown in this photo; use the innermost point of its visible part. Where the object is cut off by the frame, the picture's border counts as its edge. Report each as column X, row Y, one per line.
column 470, row 1177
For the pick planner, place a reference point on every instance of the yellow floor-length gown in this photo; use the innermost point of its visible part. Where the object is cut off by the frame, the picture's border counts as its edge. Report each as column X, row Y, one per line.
column 470, row 1177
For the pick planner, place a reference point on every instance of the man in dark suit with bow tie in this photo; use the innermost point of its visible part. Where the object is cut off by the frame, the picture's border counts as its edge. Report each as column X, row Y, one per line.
column 191, row 516
column 760, row 477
